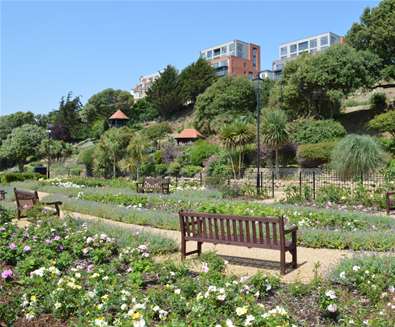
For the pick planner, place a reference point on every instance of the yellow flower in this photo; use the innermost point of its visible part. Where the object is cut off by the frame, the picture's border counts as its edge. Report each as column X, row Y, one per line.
column 136, row 316
column 33, row 298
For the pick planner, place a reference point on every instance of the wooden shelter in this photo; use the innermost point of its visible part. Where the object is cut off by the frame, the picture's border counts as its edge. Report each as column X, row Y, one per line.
column 118, row 119
column 188, row 135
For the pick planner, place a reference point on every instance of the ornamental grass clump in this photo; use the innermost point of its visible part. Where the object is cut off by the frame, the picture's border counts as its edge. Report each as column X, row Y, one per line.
column 356, row 155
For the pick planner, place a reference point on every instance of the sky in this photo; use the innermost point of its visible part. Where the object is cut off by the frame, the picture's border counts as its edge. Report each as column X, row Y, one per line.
column 49, row 48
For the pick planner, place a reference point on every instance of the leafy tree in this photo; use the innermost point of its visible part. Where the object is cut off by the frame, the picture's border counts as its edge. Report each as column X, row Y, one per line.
column 316, row 84
column 164, row 93
column 22, row 143
column 310, row 130
column 110, row 150
column 384, row 123
column 236, row 137
column 355, row 155
column 199, row 151
column 195, row 79
column 55, row 149
column 103, row 104
column 86, row 157
column 143, row 111
column 137, row 154
column 274, row 131
column 376, row 32
column 157, row 131
column 66, row 119
column 227, row 99
column 17, row 119
column 314, row 155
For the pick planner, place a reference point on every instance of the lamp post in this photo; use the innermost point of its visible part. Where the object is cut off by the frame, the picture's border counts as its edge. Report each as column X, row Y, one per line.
column 49, row 131
column 257, row 83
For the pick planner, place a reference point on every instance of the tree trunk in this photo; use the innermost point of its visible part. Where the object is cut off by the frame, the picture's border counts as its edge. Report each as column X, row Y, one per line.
column 277, row 166
column 114, row 168
column 21, row 167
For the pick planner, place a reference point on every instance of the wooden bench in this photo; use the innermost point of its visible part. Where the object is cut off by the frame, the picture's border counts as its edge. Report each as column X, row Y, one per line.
column 2, row 194
column 26, row 200
column 390, row 200
column 251, row 232
column 153, row 184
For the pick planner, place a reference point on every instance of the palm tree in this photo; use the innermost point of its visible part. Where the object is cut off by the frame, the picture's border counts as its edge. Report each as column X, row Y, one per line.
column 274, row 132
column 236, row 137
column 137, row 154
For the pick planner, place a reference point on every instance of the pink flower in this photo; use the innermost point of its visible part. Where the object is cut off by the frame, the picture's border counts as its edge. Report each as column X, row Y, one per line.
column 26, row 248
column 12, row 246
column 7, row 274
column 205, row 267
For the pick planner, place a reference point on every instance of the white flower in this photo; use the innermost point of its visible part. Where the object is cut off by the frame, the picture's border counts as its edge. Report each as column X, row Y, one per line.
column 356, row 268
column 205, row 267
column 221, row 297
column 124, row 307
column 332, row 307
column 58, row 305
column 89, row 240
column 177, row 291
column 162, row 314
column 29, row 316
column 249, row 320
column 38, row 272
column 139, row 323
column 100, row 322
column 241, row 311
column 343, row 275
column 229, row 323
column 331, row 294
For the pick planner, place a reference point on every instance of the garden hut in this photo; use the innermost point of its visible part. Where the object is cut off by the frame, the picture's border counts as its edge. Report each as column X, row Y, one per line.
column 188, row 135
column 118, row 119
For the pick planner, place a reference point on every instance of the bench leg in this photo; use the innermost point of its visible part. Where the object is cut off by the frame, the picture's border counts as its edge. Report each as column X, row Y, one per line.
column 294, row 258
column 57, row 210
column 183, row 248
column 282, row 262
column 199, row 248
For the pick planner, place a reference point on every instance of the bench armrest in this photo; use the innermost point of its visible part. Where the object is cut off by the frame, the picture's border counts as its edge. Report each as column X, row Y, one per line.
column 390, row 193
column 52, row 202
column 291, row 229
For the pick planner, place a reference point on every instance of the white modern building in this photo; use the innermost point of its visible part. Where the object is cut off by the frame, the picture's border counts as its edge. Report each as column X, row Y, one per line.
column 141, row 88
column 312, row 44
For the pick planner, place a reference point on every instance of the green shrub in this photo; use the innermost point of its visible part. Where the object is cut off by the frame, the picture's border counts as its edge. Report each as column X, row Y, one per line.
column 160, row 169
column 19, row 177
column 311, row 131
column 199, row 151
column 190, row 170
column 384, row 123
column 314, row 155
column 378, row 101
column 355, row 155
column 86, row 157
column 174, row 168
column 157, row 131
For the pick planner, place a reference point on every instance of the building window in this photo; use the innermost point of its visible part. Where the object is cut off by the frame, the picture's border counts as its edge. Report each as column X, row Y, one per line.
column 217, row 52
column 232, row 48
column 292, row 48
column 313, row 50
column 284, row 51
column 302, row 46
column 324, row 48
column 324, row 40
column 254, row 51
column 223, row 50
column 293, row 55
column 285, row 57
column 313, row 43
column 209, row 54
column 250, row 76
column 334, row 39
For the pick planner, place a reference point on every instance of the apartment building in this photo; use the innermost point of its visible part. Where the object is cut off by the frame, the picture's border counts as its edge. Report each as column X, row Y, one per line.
column 312, row 44
column 234, row 58
column 145, row 81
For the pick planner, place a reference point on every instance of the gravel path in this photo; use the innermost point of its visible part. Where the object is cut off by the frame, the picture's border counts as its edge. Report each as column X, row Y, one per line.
column 242, row 261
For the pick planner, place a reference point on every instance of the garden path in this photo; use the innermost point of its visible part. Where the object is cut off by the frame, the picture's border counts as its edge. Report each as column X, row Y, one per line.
column 242, row 261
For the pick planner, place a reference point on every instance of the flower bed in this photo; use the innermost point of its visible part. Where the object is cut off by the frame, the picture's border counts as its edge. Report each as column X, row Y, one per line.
column 57, row 272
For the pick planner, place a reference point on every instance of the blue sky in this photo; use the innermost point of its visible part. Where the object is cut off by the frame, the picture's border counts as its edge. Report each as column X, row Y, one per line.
column 52, row 47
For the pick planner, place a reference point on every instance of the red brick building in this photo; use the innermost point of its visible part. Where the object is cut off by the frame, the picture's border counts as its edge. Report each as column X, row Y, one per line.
column 234, row 58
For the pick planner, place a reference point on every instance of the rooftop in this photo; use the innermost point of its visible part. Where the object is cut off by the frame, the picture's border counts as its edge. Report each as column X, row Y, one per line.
column 119, row 115
column 188, row 133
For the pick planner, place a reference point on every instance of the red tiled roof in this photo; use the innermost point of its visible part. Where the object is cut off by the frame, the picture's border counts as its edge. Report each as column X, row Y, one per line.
column 119, row 115
column 189, row 133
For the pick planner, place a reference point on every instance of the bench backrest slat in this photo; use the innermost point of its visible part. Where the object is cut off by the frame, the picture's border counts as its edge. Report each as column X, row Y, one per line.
column 266, row 231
